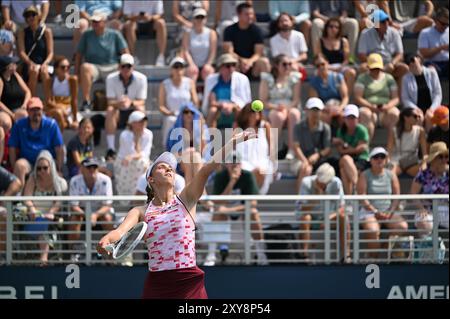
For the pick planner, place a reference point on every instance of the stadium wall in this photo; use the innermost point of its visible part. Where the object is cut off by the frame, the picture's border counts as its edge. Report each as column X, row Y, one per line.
column 234, row 282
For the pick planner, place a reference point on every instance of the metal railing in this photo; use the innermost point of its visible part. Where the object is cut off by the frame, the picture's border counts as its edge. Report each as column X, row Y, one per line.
column 283, row 230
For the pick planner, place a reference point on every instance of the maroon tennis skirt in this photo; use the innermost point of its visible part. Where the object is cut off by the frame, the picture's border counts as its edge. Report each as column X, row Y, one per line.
column 187, row 283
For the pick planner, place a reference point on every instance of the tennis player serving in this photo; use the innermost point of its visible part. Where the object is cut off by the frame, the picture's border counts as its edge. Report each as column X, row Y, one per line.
column 169, row 234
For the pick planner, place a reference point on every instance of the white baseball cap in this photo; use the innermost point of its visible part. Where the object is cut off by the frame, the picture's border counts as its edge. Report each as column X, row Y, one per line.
column 165, row 157
column 351, row 109
column 177, row 60
column 126, row 59
column 378, row 150
column 199, row 12
column 136, row 116
column 314, row 103
column 325, row 173
column 98, row 16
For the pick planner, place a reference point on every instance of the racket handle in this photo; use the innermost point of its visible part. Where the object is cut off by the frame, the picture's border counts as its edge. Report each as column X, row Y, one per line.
column 109, row 248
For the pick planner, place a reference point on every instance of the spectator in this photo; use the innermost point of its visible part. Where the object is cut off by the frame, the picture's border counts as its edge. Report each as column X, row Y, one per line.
column 280, row 93
column 386, row 41
column 12, row 12
column 433, row 43
column 188, row 139
column 324, row 182
column 90, row 182
column 31, row 135
column 439, row 133
column 335, row 48
column 80, row 147
column 62, row 95
column 7, row 43
column 145, row 17
column 322, row 11
column 175, row 92
column 312, row 140
column 199, row 47
column 298, row 10
column 100, row 48
column 226, row 93
column 330, row 87
column 411, row 17
column 362, row 10
column 14, row 93
column 233, row 180
column 377, row 180
column 10, row 185
column 405, row 141
column 256, row 155
column 111, row 10
column 126, row 91
column 183, row 12
column 244, row 40
column 133, row 157
column 5, row 132
column 43, row 181
column 288, row 41
column 432, row 180
column 377, row 95
column 35, row 47
column 352, row 142
column 421, row 89
column 225, row 14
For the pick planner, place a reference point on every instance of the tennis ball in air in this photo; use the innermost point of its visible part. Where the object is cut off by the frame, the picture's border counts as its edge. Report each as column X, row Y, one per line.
column 257, row 105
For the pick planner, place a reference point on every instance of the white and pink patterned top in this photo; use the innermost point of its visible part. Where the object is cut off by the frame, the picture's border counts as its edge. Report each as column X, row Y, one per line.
column 170, row 236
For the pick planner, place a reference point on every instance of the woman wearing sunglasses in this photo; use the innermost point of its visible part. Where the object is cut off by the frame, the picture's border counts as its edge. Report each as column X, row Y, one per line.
column 404, row 143
column 377, row 180
column 336, row 49
column 191, row 121
column 175, row 92
column 331, row 88
column 199, row 47
column 35, row 47
column 62, row 91
column 43, row 181
column 421, row 89
column 280, row 93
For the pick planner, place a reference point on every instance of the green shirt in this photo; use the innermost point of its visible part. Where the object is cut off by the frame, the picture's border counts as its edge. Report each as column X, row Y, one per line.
column 376, row 91
column 246, row 183
column 361, row 134
column 104, row 49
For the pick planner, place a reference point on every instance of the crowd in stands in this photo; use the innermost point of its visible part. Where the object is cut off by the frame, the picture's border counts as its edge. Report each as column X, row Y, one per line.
column 361, row 79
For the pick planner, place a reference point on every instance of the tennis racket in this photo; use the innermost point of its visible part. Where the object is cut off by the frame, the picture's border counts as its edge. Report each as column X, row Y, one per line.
column 128, row 242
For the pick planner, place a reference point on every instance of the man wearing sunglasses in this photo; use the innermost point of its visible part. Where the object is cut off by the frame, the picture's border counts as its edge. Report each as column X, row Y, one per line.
column 126, row 91
column 433, row 43
column 90, row 182
column 226, row 93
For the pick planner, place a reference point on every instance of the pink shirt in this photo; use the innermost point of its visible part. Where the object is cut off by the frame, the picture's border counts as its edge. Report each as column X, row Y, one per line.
column 170, row 236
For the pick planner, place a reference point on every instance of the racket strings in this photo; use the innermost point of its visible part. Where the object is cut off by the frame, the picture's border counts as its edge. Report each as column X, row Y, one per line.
column 129, row 241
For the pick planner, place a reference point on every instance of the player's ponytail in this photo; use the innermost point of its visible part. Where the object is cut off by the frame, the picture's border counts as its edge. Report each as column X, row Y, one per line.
column 150, row 194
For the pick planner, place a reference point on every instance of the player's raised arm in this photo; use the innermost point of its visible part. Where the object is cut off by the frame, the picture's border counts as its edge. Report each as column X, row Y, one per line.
column 194, row 190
